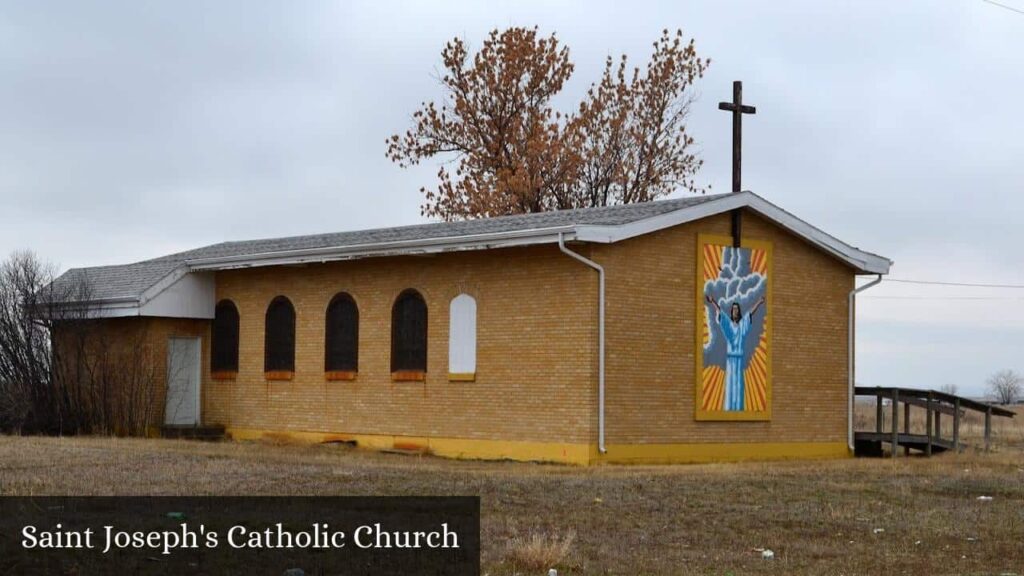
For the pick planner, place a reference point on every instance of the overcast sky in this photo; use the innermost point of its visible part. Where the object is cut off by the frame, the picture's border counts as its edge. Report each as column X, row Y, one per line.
column 133, row 129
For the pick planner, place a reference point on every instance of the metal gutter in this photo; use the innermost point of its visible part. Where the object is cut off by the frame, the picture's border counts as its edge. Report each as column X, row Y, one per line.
column 600, row 337
column 851, row 325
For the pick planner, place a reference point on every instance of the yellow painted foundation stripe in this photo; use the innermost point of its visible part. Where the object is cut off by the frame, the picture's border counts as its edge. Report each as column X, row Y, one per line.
column 567, row 453
column 721, row 452
column 448, row 447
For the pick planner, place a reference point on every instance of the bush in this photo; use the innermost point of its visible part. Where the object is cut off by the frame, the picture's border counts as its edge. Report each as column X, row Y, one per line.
column 60, row 373
column 539, row 551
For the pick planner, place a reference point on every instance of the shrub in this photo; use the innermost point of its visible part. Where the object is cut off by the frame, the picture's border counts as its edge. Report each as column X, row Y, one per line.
column 540, row 550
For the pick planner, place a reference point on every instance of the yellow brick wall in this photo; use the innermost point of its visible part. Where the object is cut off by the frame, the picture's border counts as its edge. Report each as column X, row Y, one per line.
column 651, row 339
column 536, row 380
column 536, row 349
column 147, row 337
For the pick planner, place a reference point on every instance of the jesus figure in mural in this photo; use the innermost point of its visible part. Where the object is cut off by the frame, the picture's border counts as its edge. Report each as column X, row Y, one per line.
column 734, row 328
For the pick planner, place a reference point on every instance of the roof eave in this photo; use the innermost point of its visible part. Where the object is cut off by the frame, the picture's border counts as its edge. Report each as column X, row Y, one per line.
column 863, row 262
column 398, row 248
column 117, row 307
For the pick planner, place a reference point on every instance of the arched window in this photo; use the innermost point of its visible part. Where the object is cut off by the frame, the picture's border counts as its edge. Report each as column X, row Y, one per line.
column 224, row 341
column 462, row 338
column 279, row 340
column 341, row 342
column 409, row 335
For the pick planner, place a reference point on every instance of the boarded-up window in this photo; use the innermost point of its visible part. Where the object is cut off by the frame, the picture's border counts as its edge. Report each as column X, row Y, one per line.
column 224, row 344
column 409, row 333
column 341, row 346
column 279, row 341
column 462, row 335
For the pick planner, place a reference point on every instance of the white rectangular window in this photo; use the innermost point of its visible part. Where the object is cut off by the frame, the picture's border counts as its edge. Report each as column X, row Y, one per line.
column 462, row 338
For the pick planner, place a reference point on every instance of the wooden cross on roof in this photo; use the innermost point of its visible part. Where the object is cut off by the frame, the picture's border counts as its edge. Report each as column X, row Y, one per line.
column 738, row 109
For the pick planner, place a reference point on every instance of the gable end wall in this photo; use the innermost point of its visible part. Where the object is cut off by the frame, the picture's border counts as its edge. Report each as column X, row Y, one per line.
column 652, row 342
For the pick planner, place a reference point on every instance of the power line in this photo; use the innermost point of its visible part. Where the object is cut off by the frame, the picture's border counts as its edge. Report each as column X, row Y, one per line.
column 1004, row 6
column 1017, row 298
column 964, row 284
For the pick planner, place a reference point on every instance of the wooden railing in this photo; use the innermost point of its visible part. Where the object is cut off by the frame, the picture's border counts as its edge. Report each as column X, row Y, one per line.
column 936, row 404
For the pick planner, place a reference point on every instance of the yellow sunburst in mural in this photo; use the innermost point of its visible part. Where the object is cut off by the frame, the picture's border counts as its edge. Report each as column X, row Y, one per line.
column 733, row 374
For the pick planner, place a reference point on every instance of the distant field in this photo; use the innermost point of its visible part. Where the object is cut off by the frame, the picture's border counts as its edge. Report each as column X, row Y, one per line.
column 818, row 517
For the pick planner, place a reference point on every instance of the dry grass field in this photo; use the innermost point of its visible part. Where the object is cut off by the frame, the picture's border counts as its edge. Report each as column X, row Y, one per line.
column 862, row 516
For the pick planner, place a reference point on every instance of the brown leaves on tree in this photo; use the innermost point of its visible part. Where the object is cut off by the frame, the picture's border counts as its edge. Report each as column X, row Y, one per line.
column 513, row 153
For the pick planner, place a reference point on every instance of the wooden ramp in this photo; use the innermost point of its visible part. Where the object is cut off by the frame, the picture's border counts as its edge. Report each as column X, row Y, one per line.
column 871, row 443
column 936, row 404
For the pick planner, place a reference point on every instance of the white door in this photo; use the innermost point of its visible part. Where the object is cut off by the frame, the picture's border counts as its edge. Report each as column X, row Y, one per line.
column 183, row 365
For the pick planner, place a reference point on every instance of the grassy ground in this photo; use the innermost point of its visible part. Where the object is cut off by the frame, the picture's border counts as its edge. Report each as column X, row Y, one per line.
column 818, row 517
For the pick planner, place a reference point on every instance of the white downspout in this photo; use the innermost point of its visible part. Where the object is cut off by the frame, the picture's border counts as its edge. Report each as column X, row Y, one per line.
column 600, row 338
column 852, row 321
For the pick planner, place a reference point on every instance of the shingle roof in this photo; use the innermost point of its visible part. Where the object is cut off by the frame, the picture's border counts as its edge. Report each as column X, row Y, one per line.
column 130, row 281
column 126, row 281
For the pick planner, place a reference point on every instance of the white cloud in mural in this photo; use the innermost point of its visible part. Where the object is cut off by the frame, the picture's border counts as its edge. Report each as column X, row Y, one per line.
column 736, row 283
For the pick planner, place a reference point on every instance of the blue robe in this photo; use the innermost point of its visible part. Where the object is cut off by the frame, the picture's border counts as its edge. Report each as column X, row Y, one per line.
column 735, row 335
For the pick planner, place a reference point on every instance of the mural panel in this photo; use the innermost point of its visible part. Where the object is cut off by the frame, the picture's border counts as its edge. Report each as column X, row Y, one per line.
column 734, row 330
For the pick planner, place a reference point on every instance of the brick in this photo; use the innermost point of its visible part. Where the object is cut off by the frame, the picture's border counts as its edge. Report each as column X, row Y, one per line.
column 537, row 330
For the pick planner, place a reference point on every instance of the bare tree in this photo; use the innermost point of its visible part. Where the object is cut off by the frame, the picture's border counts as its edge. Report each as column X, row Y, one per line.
column 1005, row 386
column 949, row 388
column 25, row 352
column 62, row 371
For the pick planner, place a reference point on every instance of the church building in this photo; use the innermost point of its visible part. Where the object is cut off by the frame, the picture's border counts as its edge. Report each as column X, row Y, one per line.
column 621, row 334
